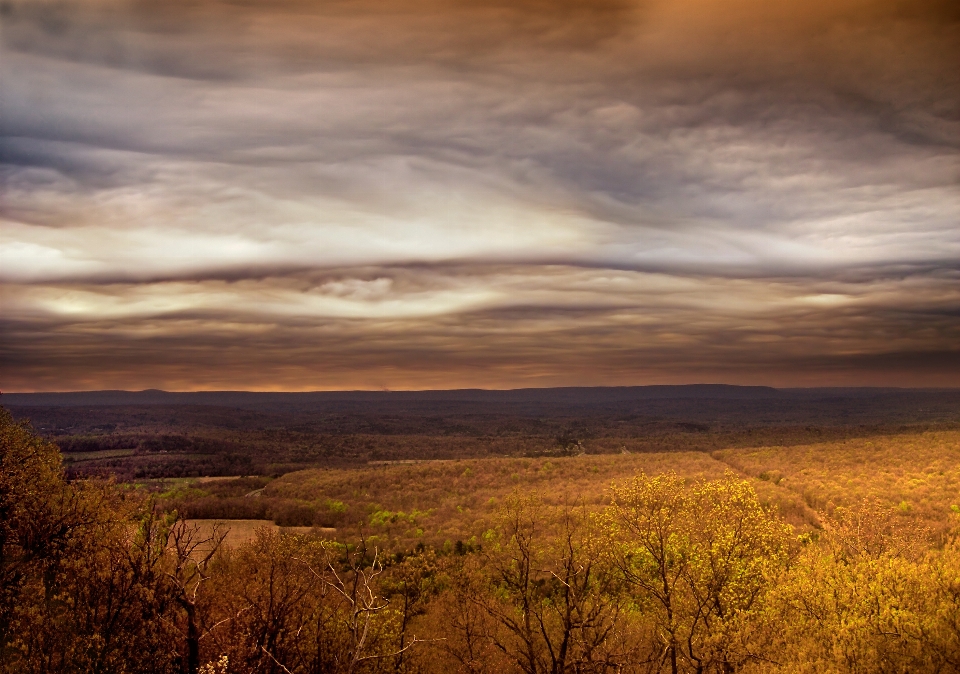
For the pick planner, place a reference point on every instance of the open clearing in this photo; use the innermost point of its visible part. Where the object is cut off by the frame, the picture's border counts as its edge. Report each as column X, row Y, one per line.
column 243, row 531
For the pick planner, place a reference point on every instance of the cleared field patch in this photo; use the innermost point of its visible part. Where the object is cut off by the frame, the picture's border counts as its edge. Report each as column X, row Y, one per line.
column 244, row 531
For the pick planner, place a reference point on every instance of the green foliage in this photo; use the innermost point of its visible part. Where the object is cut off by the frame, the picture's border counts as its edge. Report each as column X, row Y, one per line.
column 384, row 518
column 697, row 559
column 335, row 506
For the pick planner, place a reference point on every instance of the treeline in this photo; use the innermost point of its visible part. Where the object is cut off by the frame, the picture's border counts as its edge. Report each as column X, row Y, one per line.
column 193, row 440
column 145, row 443
column 143, row 466
column 154, row 456
column 243, row 498
column 670, row 576
column 283, row 512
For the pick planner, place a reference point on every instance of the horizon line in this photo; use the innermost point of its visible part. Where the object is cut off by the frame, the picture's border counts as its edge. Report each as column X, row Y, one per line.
column 491, row 390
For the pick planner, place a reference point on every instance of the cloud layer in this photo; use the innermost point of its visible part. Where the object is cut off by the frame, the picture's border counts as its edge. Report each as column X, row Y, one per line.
column 437, row 194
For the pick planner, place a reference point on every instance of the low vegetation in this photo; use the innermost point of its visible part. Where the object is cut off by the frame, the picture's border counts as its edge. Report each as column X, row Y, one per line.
column 774, row 559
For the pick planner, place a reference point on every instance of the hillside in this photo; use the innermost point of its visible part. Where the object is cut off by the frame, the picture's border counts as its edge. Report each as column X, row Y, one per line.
column 434, row 502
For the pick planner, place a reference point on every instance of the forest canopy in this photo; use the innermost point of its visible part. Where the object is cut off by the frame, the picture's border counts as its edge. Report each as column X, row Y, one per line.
column 668, row 573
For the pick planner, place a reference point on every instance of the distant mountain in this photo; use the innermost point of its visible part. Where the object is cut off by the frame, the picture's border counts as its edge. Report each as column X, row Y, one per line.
column 252, row 399
column 695, row 403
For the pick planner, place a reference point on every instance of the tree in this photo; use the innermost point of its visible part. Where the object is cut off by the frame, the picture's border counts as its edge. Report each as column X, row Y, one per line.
column 79, row 592
column 867, row 594
column 300, row 604
column 191, row 554
column 38, row 514
column 698, row 559
column 549, row 593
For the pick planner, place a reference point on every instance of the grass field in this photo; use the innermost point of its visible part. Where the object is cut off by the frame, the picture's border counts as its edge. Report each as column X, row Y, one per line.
column 243, row 531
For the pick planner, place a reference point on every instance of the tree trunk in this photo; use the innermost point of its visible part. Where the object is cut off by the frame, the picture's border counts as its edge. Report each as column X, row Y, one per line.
column 193, row 640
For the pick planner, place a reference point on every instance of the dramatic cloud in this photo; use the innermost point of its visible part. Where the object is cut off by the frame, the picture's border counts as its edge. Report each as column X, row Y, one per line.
column 441, row 193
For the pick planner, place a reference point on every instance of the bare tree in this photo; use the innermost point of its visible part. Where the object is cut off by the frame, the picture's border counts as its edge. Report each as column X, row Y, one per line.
column 551, row 593
column 356, row 583
column 191, row 553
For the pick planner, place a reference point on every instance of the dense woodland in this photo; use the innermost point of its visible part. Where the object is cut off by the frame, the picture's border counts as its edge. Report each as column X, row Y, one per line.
column 153, row 434
column 835, row 556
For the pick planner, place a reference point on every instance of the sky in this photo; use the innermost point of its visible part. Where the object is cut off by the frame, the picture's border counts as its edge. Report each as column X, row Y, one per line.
column 410, row 194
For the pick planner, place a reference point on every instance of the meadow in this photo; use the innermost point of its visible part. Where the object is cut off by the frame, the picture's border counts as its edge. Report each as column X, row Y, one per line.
column 242, row 532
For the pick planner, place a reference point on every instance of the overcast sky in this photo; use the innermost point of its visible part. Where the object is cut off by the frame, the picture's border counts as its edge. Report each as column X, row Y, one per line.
column 329, row 194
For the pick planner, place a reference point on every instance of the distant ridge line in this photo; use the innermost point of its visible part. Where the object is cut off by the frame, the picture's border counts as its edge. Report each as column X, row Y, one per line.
column 557, row 394
column 570, row 395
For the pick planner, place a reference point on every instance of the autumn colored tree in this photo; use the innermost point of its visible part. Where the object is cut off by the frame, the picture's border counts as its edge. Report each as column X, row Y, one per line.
column 550, row 595
column 302, row 604
column 38, row 515
column 81, row 580
column 868, row 594
column 697, row 559
column 673, row 575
